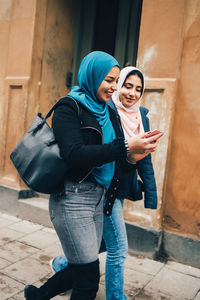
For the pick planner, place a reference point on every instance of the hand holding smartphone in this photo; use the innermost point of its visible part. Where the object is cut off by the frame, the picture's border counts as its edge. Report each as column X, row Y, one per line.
column 155, row 135
column 154, row 132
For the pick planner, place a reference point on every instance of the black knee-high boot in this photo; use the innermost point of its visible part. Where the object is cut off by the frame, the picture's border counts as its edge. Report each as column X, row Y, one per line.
column 85, row 281
column 60, row 282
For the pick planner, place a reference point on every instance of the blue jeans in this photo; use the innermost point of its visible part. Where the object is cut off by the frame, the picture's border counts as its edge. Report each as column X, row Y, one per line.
column 115, row 237
column 77, row 216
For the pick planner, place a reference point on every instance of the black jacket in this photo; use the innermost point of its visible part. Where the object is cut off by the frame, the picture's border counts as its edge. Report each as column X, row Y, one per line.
column 79, row 137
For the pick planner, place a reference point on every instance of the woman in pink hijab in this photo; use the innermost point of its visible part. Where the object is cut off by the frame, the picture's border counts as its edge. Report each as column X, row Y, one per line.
column 126, row 101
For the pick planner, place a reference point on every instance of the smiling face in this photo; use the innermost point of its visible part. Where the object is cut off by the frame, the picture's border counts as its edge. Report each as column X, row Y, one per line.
column 108, row 85
column 131, row 91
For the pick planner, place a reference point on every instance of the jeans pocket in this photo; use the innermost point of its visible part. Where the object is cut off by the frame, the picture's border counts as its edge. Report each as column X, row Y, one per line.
column 83, row 187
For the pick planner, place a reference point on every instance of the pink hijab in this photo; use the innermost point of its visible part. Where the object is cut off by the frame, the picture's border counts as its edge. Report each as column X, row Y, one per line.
column 130, row 117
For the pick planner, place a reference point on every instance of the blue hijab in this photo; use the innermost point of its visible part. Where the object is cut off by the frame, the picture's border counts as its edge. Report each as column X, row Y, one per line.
column 93, row 69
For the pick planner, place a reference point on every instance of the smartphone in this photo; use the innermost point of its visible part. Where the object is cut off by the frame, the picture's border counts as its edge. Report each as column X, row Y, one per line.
column 154, row 132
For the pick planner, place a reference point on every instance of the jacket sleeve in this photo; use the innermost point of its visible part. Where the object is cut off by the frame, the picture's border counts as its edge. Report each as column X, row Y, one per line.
column 146, row 172
column 77, row 154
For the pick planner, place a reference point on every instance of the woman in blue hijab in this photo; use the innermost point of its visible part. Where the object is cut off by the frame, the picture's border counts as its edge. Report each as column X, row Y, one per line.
column 91, row 142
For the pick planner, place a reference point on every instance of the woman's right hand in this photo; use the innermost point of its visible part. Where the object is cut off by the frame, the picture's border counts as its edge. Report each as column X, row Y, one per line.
column 141, row 144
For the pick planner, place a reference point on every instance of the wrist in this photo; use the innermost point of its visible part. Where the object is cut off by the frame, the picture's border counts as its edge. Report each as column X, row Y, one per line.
column 130, row 160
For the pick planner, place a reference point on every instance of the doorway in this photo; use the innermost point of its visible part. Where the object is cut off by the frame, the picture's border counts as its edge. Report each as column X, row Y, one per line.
column 111, row 26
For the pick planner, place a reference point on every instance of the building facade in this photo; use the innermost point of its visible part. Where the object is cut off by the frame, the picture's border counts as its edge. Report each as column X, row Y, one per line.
column 43, row 42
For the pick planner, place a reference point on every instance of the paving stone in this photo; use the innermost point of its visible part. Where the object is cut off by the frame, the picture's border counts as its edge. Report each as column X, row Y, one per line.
column 144, row 265
column 10, row 217
column 8, row 287
column 39, row 239
column 19, row 296
column 185, row 269
column 15, row 251
column 50, row 230
column 177, row 285
column 151, row 296
column 145, row 279
column 25, row 226
column 7, row 235
column 102, row 259
column 27, row 271
column 3, row 262
column 5, row 222
column 45, row 255
column 135, row 279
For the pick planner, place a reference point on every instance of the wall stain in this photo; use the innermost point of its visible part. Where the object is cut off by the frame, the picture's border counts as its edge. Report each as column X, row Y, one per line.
column 171, row 222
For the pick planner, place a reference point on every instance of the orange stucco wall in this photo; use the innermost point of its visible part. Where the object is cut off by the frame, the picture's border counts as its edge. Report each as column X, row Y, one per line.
column 161, row 38
column 182, row 202
column 38, row 39
column 169, row 47
column 17, row 30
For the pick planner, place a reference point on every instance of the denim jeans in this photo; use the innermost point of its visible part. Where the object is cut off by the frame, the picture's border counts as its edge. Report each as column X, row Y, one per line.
column 115, row 237
column 77, row 216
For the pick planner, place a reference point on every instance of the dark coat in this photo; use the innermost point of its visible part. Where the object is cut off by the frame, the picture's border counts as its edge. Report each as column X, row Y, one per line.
column 130, row 188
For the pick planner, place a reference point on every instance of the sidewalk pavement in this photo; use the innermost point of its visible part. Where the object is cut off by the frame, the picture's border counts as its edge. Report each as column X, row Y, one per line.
column 26, row 248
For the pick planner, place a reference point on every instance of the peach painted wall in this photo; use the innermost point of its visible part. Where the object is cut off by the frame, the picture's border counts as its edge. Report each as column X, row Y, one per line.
column 16, row 34
column 182, row 195
column 38, row 37
column 169, row 50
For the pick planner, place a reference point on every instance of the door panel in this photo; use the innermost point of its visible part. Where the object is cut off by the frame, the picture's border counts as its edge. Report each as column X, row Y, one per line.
column 111, row 26
column 159, row 99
